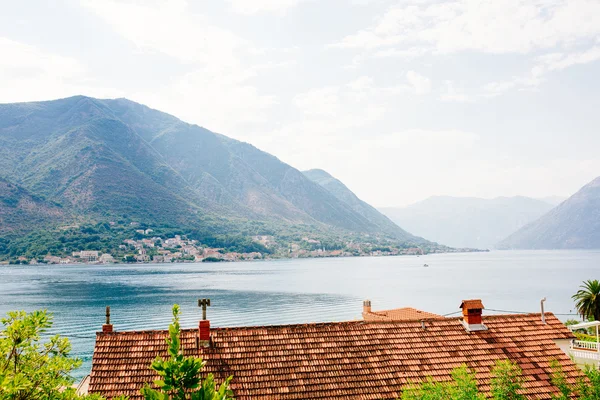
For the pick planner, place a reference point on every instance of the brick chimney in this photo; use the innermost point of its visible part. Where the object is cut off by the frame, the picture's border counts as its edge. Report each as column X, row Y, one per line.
column 107, row 327
column 204, row 324
column 472, row 310
column 366, row 306
column 204, row 333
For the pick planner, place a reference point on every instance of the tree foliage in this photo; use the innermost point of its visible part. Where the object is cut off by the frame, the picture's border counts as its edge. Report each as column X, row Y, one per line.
column 180, row 375
column 587, row 386
column 507, row 381
column 31, row 368
column 587, row 300
column 506, row 384
column 559, row 380
column 462, row 387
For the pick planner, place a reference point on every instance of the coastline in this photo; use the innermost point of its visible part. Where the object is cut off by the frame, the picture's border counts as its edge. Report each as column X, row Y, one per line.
column 267, row 258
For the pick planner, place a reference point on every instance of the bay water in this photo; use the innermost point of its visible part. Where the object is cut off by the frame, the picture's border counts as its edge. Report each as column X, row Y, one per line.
column 291, row 291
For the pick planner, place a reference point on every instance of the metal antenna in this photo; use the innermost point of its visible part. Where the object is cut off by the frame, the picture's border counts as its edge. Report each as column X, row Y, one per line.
column 203, row 303
column 107, row 315
column 543, row 315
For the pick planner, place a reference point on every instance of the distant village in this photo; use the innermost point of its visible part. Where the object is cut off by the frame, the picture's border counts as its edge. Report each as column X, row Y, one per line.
column 154, row 249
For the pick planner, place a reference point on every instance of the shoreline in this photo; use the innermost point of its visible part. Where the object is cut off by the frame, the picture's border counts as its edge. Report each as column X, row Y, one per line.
column 460, row 251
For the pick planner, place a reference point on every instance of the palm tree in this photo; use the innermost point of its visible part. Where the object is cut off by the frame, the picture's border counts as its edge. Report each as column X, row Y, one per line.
column 587, row 300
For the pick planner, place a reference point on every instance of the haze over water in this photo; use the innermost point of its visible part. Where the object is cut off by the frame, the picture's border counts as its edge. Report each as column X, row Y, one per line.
column 290, row 291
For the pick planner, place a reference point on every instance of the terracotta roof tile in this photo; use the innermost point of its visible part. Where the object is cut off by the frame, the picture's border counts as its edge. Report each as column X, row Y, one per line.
column 399, row 314
column 475, row 303
column 359, row 359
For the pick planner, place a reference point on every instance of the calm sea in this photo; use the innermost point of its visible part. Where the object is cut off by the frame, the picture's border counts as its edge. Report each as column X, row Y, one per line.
column 290, row 291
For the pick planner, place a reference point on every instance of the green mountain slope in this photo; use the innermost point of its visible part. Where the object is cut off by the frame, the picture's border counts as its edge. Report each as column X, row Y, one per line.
column 236, row 174
column 21, row 211
column 467, row 221
column 107, row 160
column 573, row 224
column 342, row 193
column 83, row 158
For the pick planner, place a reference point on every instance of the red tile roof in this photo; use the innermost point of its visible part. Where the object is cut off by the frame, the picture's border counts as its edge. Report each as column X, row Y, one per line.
column 360, row 360
column 470, row 304
column 399, row 314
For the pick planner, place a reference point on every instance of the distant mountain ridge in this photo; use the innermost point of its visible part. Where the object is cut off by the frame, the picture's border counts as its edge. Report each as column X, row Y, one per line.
column 573, row 224
column 554, row 200
column 466, row 221
column 104, row 159
column 341, row 192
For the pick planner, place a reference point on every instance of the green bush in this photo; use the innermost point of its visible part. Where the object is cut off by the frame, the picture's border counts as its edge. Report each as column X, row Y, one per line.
column 31, row 368
column 180, row 375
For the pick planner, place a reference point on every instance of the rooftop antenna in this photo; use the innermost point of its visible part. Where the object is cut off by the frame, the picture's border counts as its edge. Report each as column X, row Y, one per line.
column 203, row 303
column 542, row 306
column 107, row 327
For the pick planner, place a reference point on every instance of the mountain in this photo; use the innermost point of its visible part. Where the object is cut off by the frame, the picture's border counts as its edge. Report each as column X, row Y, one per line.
column 106, row 160
column 21, row 211
column 554, row 200
column 74, row 152
column 467, row 221
column 342, row 193
column 573, row 224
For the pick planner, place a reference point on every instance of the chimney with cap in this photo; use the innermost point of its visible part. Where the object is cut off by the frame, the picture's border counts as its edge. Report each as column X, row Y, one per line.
column 107, row 327
column 472, row 310
column 367, row 307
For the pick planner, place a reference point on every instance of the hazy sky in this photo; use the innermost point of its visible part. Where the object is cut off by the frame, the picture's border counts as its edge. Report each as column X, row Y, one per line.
column 400, row 100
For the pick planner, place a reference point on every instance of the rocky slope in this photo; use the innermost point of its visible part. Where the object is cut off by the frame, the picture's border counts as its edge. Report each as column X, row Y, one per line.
column 573, row 224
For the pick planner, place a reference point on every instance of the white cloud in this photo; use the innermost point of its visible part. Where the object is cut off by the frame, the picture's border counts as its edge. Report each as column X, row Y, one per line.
column 419, row 83
column 412, row 29
column 380, row 168
column 218, row 99
column 256, row 6
column 450, row 162
column 418, row 138
column 169, row 27
column 559, row 61
column 517, row 177
column 508, row 26
column 29, row 73
column 22, row 58
column 329, row 113
column 544, row 65
column 319, row 102
column 400, row 53
column 326, row 119
column 357, row 100
column 217, row 91
column 494, row 89
column 454, row 94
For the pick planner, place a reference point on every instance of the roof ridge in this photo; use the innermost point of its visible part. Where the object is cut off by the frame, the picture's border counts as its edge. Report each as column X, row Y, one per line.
column 334, row 323
column 488, row 316
column 303, row 324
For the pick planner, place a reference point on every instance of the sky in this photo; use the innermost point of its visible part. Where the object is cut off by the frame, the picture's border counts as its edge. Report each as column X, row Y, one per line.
column 400, row 100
